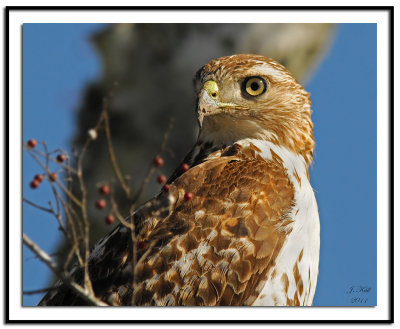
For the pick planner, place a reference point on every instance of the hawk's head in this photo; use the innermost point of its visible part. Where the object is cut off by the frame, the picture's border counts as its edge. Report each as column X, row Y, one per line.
column 252, row 96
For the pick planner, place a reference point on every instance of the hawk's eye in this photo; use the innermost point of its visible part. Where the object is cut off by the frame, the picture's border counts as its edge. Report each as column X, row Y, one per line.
column 254, row 86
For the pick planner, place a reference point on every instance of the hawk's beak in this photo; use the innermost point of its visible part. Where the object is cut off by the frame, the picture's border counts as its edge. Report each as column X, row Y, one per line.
column 208, row 101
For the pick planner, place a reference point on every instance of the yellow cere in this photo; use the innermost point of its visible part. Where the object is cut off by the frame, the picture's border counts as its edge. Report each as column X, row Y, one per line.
column 211, row 88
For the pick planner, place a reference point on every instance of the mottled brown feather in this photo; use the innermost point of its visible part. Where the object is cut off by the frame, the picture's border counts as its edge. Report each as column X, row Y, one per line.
column 237, row 235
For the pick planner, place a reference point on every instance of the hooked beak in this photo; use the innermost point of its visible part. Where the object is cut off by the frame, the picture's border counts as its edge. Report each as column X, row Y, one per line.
column 209, row 102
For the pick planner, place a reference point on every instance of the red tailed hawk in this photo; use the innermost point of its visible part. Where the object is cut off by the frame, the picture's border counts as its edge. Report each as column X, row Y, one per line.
column 241, row 226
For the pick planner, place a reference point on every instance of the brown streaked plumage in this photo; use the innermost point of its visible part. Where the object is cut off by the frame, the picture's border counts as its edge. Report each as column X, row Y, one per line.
column 250, row 233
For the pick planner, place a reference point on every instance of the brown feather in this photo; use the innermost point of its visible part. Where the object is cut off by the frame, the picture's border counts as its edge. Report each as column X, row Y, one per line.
column 229, row 252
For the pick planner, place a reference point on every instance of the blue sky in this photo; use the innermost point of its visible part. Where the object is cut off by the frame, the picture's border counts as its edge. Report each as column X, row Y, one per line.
column 58, row 62
column 343, row 92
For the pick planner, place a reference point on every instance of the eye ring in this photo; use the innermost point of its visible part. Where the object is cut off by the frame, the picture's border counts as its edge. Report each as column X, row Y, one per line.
column 254, row 86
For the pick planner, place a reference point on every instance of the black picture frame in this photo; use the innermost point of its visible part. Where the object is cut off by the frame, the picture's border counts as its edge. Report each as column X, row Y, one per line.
column 10, row 9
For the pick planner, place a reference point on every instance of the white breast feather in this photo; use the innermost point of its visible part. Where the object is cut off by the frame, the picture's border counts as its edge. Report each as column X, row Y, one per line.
column 305, row 233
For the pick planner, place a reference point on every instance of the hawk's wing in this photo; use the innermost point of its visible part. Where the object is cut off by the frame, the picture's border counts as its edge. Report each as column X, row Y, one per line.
column 214, row 249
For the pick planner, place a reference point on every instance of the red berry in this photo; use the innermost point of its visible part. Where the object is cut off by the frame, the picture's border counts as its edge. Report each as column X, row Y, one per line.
column 61, row 158
column 35, row 183
column 166, row 187
column 158, row 161
column 39, row 178
column 185, row 167
column 189, row 196
column 53, row 176
column 141, row 244
column 101, row 204
column 161, row 179
column 104, row 189
column 110, row 219
column 32, row 142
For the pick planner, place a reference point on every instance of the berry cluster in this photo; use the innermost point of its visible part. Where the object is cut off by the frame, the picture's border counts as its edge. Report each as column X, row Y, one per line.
column 161, row 179
column 105, row 189
column 35, row 183
column 102, row 203
column 38, row 179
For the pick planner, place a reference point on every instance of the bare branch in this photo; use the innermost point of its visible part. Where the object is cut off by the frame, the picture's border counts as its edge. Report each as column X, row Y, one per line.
column 33, row 204
column 83, row 293
column 59, row 184
column 124, row 222
column 72, row 234
column 166, row 135
column 39, row 291
column 151, row 169
column 114, row 162
column 64, row 166
column 86, row 225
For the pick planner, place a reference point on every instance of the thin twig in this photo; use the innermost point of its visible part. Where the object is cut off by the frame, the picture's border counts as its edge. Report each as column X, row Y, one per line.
column 56, row 253
column 39, row 291
column 141, row 188
column 113, row 158
column 151, row 169
column 59, row 184
column 33, row 204
column 166, row 134
column 131, row 226
column 49, row 210
column 73, row 251
column 57, row 196
column 63, row 165
column 57, row 214
column 124, row 222
column 69, row 193
column 83, row 206
column 72, row 231
column 86, row 225
column 46, row 153
column 71, row 214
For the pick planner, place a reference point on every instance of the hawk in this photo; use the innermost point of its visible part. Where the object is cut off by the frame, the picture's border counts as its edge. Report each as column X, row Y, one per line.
column 241, row 225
